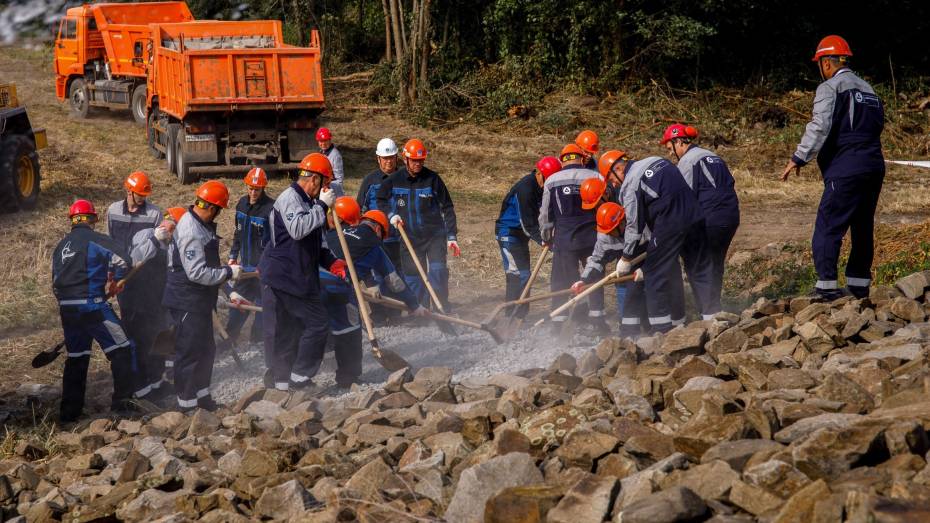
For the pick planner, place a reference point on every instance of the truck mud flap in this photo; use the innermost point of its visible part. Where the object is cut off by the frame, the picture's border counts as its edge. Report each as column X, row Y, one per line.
column 242, row 169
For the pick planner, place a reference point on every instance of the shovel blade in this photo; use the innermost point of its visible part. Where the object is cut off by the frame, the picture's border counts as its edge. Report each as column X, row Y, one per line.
column 47, row 356
column 446, row 328
column 164, row 343
column 388, row 359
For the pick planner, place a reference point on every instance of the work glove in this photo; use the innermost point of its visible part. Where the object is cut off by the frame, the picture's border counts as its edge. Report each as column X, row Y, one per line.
column 420, row 312
column 232, row 261
column 638, row 275
column 453, row 247
column 397, row 221
column 163, row 233
column 236, row 272
column 373, row 292
column 547, row 233
column 578, row 286
column 237, row 299
column 338, row 268
column 327, row 196
column 114, row 287
column 623, row 267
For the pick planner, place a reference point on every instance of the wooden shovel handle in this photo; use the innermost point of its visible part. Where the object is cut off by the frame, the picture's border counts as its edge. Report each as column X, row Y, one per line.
column 416, row 261
column 539, row 264
column 604, row 281
column 359, row 295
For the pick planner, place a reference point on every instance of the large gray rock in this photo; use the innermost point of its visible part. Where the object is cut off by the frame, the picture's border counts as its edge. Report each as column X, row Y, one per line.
column 480, row 482
column 667, row 506
column 285, row 501
column 913, row 285
column 808, row 426
column 737, row 453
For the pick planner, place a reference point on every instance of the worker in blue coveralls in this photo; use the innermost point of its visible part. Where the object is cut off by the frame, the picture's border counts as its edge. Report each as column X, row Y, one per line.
column 844, row 134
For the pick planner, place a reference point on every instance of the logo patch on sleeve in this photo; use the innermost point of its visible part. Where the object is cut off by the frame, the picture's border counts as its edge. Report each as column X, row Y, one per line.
column 289, row 216
column 189, row 254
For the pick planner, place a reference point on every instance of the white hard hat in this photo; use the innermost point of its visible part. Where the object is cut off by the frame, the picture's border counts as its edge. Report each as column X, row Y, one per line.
column 386, row 147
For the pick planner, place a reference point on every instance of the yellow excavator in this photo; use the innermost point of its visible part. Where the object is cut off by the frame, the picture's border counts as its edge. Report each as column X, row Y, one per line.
column 19, row 162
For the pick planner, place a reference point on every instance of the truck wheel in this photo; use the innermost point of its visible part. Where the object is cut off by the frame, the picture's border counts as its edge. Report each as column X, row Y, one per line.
column 184, row 165
column 137, row 104
column 19, row 174
column 79, row 97
column 152, row 135
column 171, row 149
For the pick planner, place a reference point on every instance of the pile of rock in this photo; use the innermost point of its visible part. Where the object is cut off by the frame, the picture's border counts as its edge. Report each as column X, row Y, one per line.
column 792, row 411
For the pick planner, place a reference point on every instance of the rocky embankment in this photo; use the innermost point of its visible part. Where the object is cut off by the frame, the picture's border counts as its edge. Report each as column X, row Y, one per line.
column 792, row 411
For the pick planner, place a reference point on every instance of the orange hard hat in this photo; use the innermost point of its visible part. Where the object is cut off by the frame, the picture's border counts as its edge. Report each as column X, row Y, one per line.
column 832, row 45
column 316, row 163
column 588, row 141
column 570, row 152
column 138, row 182
column 175, row 213
column 347, row 210
column 379, row 218
column 215, row 193
column 591, row 191
column 548, row 165
column 415, row 150
column 256, row 177
column 607, row 161
column 81, row 207
column 677, row 130
column 609, row 217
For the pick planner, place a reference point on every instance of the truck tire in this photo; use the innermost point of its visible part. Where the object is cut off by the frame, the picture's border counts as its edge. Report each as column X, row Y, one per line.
column 183, row 164
column 19, row 174
column 172, row 151
column 137, row 104
column 152, row 135
column 79, row 98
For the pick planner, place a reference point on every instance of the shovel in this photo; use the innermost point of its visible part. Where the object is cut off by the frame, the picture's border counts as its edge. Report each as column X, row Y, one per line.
column 397, row 304
column 388, row 359
column 416, row 261
column 512, row 323
column 510, row 330
column 218, row 326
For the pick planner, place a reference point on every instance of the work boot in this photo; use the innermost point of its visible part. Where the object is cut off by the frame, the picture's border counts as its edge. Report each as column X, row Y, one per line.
column 268, row 379
column 300, row 385
column 124, row 408
column 207, row 403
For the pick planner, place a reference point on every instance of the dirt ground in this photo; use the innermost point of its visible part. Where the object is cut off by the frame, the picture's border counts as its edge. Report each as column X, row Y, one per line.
column 90, row 158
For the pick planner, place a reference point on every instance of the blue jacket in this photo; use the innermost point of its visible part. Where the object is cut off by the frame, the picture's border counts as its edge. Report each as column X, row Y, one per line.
column 367, row 197
column 291, row 262
column 252, row 231
column 519, row 216
column 195, row 272
column 561, row 217
column 81, row 263
column 338, row 297
column 422, row 202
column 845, row 131
column 710, row 179
column 657, row 202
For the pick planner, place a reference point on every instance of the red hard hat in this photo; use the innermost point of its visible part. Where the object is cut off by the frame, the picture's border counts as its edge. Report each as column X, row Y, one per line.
column 415, row 150
column 570, row 152
column 607, row 161
column 548, row 165
column 832, row 45
column 316, row 163
column 323, row 134
column 214, row 192
column 379, row 218
column 256, row 177
column 609, row 217
column 138, row 183
column 677, row 130
column 175, row 213
column 81, row 207
column 588, row 141
column 591, row 191
column 347, row 210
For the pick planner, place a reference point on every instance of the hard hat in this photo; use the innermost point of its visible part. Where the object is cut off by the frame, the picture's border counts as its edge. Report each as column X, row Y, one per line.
column 316, row 163
column 379, row 218
column 415, row 150
column 609, row 217
column 256, row 177
column 591, row 191
column 548, row 165
column 347, row 210
column 588, row 141
column 677, row 130
column 386, row 147
column 80, row 207
column 323, row 134
column 214, row 192
column 175, row 213
column 832, row 45
column 138, row 183
column 570, row 152
column 607, row 161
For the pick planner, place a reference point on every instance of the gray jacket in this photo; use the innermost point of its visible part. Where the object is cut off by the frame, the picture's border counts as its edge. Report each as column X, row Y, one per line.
column 335, row 159
column 607, row 249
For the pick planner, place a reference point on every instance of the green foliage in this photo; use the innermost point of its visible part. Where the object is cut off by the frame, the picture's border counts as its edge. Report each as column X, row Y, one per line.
column 905, row 263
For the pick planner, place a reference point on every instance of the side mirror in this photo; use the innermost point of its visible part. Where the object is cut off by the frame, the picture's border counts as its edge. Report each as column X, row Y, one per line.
column 137, row 49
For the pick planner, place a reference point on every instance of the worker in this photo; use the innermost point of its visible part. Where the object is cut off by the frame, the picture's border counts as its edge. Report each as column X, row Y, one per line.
column 571, row 232
column 589, row 143
column 658, row 202
column 81, row 263
column 140, row 303
column 609, row 247
column 295, row 319
column 417, row 199
column 249, row 239
column 324, row 139
column 367, row 198
column 604, row 164
column 195, row 275
column 844, row 135
column 710, row 179
column 518, row 223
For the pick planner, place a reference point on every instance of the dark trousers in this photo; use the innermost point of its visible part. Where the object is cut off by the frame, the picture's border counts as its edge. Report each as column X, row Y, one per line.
column 719, row 238
column 566, row 270
column 696, row 255
column 194, row 354
column 142, row 328
column 81, row 329
column 295, row 330
column 347, row 348
column 252, row 291
column 515, row 257
column 432, row 255
column 846, row 204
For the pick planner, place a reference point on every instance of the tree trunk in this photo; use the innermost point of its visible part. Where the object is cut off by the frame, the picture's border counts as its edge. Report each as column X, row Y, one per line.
column 413, row 55
column 387, row 30
column 397, row 30
column 425, row 44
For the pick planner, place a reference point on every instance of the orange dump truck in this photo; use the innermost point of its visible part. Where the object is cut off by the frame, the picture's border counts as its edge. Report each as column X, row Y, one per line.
column 101, row 52
column 223, row 96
